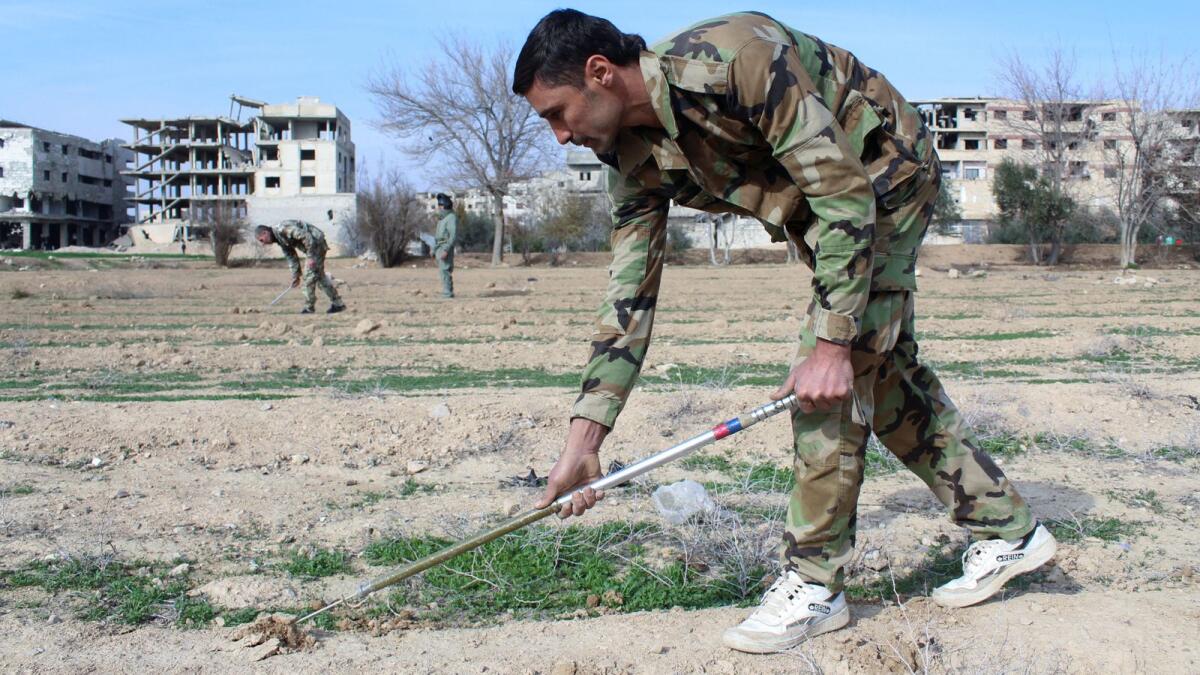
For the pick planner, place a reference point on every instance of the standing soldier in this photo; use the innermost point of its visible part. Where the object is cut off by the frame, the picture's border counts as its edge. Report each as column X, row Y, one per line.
column 444, row 238
column 741, row 114
column 295, row 234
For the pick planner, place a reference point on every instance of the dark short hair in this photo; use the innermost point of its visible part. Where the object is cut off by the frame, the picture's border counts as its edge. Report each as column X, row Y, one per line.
column 263, row 228
column 561, row 43
column 444, row 201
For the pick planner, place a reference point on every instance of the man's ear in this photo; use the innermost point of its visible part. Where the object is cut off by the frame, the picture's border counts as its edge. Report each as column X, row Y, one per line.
column 599, row 70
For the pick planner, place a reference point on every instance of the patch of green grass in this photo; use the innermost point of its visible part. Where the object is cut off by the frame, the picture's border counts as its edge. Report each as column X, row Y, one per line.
column 131, row 593
column 317, row 563
column 880, row 460
column 544, row 571
column 707, row 463
column 194, row 612
column 1071, row 530
column 1002, row 444
column 237, row 617
column 1175, row 453
column 993, row 337
column 411, row 487
column 1144, row 498
column 17, row 490
column 745, row 477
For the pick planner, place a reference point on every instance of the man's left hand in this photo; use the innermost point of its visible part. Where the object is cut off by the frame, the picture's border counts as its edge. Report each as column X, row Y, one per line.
column 821, row 381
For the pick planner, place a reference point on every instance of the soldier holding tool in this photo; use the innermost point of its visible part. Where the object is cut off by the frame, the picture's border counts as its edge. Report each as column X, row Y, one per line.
column 296, row 234
column 742, row 114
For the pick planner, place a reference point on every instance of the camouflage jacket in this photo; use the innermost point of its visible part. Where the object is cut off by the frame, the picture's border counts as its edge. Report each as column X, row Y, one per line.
column 297, row 234
column 764, row 121
column 446, row 233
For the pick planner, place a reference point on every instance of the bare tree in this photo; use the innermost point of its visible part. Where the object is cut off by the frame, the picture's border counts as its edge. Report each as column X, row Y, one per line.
column 1151, row 157
column 460, row 114
column 389, row 215
column 225, row 227
column 1054, row 118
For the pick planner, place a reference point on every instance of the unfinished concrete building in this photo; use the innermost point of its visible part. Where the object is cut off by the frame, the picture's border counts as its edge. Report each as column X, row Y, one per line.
column 58, row 189
column 186, row 169
column 973, row 135
column 287, row 161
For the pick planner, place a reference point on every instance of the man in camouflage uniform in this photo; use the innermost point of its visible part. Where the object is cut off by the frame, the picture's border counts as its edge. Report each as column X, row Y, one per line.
column 296, row 234
column 444, row 238
column 741, row 114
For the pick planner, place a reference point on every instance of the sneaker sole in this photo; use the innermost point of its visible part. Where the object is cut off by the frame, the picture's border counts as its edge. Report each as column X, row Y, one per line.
column 1039, row 556
column 751, row 645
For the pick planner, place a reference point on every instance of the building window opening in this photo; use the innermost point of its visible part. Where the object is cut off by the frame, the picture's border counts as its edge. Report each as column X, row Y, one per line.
column 970, row 113
column 1110, row 144
column 1108, row 117
column 947, row 141
column 45, row 146
column 46, row 174
column 1028, row 115
column 1110, row 172
column 64, row 176
column 66, row 149
column 1000, row 115
column 270, row 153
column 1000, row 144
column 308, row 181
column 307, row 154
column 971, row 144
column 272, row 181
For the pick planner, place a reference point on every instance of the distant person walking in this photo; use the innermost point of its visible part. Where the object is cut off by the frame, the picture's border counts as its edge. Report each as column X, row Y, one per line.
column 295, row 234
column 444, row 238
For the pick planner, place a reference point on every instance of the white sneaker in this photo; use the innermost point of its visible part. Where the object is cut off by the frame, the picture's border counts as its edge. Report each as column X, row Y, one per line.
column 791, row 611
column 987, row 565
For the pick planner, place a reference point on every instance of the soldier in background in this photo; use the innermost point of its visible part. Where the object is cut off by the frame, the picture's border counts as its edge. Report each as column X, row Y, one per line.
column 295, row 234
column 741, row 114
column 444, row 238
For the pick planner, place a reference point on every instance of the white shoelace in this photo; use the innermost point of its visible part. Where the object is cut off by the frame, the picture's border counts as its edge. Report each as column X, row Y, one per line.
column 978, row 554
column 779, row 596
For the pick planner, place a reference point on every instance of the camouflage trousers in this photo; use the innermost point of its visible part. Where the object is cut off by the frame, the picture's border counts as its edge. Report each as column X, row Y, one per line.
column 903, row 403
column 314, row 275
column 446, row 268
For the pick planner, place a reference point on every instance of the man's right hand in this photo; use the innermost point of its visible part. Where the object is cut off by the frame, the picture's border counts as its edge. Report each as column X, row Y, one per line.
column 578, row 465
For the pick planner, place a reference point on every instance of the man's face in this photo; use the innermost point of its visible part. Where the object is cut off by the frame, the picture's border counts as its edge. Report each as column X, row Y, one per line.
column 588, row 116
column 264, row 238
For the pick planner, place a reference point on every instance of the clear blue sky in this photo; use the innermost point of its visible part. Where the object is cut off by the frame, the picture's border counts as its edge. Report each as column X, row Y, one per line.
column 78, row 66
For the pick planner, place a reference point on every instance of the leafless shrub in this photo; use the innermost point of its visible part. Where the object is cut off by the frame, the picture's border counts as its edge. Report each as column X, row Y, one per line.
column 729, row 548
column 226, row 229
column 19, row 293
column 389, row 215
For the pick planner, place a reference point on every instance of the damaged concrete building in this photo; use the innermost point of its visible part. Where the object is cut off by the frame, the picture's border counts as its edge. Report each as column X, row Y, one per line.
column 288, row 161
column 58, row 189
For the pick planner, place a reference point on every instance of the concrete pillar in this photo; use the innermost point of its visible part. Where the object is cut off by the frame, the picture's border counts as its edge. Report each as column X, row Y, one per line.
column 26, row 236
column 64, row 234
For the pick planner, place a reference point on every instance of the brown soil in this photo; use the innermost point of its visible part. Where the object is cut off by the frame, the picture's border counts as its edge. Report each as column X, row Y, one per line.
column 119, row 408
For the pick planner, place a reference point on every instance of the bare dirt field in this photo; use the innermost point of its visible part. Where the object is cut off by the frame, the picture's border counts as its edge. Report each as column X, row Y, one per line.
column 176, row 457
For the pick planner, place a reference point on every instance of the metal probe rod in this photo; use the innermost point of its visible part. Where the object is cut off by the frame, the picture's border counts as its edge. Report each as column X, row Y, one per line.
column 612, row 480
column 280, row 296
